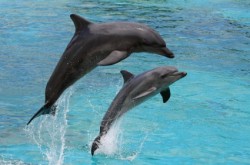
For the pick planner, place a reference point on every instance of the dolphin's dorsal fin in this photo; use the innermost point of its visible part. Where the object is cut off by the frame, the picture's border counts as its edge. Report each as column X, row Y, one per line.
column 165, row 95
column 126, row 75
column 79, row 22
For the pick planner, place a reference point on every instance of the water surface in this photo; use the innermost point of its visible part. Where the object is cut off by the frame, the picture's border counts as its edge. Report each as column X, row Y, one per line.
column 206, row 121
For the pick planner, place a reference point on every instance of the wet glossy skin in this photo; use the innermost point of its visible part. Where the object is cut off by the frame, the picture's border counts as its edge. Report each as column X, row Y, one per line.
column 134, row 92
column 92, row 44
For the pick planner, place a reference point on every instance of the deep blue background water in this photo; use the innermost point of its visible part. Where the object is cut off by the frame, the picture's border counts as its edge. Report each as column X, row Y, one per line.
column 206, row 121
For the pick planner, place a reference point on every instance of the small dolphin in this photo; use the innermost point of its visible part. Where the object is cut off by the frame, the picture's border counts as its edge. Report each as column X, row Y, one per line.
column 135, row 91
column 98, row 44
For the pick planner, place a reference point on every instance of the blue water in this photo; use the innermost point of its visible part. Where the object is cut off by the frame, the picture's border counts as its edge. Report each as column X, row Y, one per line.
column 206, row 121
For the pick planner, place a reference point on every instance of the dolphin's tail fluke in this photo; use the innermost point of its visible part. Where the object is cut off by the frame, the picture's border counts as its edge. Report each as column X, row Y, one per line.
column 95, row 144
column 43, row 111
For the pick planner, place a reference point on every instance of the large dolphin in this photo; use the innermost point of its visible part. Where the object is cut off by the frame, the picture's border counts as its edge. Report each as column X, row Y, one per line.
column 135, row 91
column 96, row 44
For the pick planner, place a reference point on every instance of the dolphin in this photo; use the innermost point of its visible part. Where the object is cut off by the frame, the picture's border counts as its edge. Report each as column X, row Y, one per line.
column 137, row 89
column 98, row 44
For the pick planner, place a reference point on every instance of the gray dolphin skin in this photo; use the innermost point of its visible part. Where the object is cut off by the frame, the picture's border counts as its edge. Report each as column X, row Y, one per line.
column 98, row 44
column 135, row 91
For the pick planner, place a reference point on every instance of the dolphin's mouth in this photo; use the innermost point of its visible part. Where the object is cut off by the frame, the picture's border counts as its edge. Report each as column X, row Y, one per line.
column 162, row 50
column 176, row 73
column 167, row 52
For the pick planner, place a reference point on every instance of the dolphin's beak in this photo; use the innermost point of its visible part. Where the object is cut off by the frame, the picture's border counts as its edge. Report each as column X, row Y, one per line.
column 166, row 52
column 181, row 74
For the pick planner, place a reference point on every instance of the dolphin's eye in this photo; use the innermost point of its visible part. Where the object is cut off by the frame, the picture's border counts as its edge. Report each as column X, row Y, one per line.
column 164, row 76
column 145, row 42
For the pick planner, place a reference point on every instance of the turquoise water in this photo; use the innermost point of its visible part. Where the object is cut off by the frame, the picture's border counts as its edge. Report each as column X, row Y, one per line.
column 206, row 121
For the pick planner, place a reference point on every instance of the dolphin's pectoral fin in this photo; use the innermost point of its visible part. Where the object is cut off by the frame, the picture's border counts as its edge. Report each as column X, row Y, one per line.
column 165, row 95
column 114, row 57
column 127, row 75
column 145, row 93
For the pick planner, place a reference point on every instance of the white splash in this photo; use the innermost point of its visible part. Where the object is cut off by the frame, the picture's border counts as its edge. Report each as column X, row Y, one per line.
column 48, row 132
column 110, row 143
column 113, row 144
column 132, row 156
column 10, row 161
